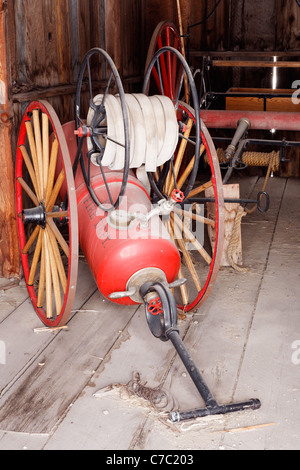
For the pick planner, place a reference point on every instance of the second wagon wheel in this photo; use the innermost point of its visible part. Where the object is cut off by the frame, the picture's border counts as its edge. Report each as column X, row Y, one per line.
column 189, row 225
column 166, row 35
column 46, row 214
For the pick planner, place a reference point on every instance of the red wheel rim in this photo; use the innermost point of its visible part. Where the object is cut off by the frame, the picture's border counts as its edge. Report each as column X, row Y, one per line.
column 200, row 269
column 217, row 187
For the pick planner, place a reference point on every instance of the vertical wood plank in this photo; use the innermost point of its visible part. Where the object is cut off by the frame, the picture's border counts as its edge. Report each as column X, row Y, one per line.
column 74, row 38
column 22, row 46
column 11, row 35
column 102, row 24
column 113, row 32
column 83, row 28
column 132, row 38
column 37, row 51
column 63, row 41
column 50, row 42
column 9, row 252
column 95, row 23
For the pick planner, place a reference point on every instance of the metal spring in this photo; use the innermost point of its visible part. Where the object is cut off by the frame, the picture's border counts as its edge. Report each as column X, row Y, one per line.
column 156, row 396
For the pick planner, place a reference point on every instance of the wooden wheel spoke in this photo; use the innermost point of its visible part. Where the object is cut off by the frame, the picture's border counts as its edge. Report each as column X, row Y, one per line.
column 51, row 172
column 191, row 238
column 48, row 276
column 201, row 188
column 188, row 169
column 62, row 242
column 197, row 217
column 29, row 167
column 31, row 240
column 42, row 279
column 28, row 191
column 57, row 215
column 180, row 154
column 36, row 257
column 34, row 157
column 58, row 259
column 54, row 275
column 173, row 172
column 39, row 149
column 57, row 187
column 186, row 255
column 45, row 127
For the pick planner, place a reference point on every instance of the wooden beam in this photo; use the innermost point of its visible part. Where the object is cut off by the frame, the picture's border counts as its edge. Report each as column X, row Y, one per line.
column 255, row 63
column 245, row 54
column 62, row 90
column 9, row 251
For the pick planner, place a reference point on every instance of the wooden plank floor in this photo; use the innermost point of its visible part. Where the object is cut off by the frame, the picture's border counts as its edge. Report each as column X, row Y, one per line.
column 244, row 340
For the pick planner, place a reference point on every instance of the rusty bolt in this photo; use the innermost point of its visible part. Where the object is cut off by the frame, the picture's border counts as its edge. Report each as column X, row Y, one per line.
column 4, row 118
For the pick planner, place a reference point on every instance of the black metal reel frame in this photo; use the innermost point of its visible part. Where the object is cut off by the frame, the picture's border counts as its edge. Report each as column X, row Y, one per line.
column 93, row 131
column 155, row 65
column 262, row 201
column 162, row 321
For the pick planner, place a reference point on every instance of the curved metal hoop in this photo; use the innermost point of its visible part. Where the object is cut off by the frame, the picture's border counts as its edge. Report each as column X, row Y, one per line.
column 111, row 84
column 154, row 80
column 162, row 322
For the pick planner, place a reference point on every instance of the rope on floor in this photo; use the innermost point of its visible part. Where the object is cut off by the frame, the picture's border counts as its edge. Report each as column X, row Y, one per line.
column 235, row 237
column 272, row 161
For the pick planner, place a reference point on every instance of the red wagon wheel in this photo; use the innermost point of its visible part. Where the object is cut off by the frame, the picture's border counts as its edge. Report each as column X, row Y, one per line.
column 166, row 34
column 198, row 234
column 46, row 214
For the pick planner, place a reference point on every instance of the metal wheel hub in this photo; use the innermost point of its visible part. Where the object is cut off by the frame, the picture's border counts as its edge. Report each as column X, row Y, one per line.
column 35, row 215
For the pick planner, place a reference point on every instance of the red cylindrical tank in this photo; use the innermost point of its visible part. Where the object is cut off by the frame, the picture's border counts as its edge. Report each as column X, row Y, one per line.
column 118, row 253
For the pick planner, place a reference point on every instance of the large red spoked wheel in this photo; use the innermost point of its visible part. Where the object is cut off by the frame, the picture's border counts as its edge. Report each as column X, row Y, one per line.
column 197, row 227
column 198, row 235
column 46, row 214
column 166, row 35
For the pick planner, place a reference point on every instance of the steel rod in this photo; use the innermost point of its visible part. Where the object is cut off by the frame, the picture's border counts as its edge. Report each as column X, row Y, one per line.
column 253, row 404
column 212, row 406
column 191, row 367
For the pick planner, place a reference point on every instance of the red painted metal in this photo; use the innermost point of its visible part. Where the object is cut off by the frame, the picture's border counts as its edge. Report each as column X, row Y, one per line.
column 166, row 34
column 155, row 307
column 116, row 254
column 261, row 120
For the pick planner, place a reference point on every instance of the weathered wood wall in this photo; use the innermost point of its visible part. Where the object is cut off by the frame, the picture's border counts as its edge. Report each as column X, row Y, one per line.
column 212, row 35
column 49, row 38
